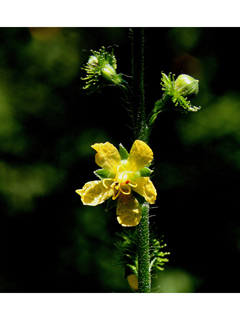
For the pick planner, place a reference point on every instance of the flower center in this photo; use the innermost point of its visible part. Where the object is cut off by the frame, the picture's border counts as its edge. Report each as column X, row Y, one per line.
column 122, row 182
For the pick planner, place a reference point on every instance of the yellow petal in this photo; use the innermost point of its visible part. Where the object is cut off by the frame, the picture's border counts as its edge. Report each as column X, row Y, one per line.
column 133, row 281
column 107, row 156
column 128, row 210
column 96, row 192
column 140, row 155
column 146, row 189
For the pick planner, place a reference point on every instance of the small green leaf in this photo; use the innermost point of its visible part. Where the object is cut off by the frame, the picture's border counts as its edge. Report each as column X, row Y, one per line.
column 145, row 172
column 103, row 174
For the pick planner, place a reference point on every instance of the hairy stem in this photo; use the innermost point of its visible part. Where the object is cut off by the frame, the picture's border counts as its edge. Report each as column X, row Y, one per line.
column 141, row 132
column 144, row 277
column 138, row 100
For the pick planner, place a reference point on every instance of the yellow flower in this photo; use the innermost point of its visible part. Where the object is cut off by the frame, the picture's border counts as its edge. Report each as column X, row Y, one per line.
column 121, row 176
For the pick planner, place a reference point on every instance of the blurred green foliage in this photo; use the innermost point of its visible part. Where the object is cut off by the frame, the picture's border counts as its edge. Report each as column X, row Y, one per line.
column 50, row 242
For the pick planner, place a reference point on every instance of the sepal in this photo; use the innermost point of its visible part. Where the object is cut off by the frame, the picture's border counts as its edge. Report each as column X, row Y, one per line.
column 123, row 152
column 103, row 174
column 145, row 172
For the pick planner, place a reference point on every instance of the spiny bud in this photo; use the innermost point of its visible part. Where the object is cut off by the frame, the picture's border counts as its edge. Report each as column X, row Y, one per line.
column 186, row 85
column 101, row 65
column 180, row 91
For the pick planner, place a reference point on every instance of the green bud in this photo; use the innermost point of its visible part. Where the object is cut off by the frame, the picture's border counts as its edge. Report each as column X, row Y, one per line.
column 180, row 91
column 101, row 65
column 186, row 85
column 93, row 61
column 110, row 74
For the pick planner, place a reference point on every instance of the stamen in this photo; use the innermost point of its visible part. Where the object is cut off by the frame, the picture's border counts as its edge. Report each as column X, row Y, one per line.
column 128, row 191
column 122, row 182
column 116, row 194
column 115, row 184
column 133, row 185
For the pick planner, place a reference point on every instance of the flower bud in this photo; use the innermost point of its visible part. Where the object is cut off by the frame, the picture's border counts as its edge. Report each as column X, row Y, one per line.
column 186, row 85
column 101, row 65
column 108, row 72
column 93, row 61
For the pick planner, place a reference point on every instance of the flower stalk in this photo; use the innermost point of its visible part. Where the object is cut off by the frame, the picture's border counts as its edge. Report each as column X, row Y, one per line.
column 138, row 98
column 125, row 177
column 141, row 132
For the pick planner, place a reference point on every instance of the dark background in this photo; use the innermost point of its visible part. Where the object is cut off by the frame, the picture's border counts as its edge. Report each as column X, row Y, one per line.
column 50, row 242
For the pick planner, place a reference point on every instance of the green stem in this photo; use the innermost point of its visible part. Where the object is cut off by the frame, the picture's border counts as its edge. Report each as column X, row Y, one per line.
column 144, row 277
column 138, row 100
column 141, row 132
column 158, row 108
